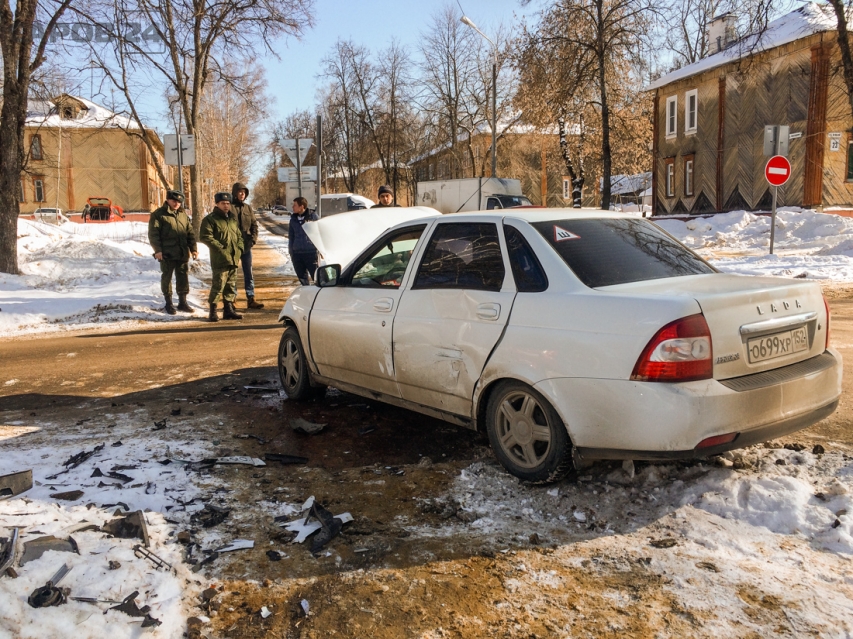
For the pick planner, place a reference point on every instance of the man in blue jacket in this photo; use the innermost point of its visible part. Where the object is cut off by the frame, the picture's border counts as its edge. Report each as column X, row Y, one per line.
column 302, row 251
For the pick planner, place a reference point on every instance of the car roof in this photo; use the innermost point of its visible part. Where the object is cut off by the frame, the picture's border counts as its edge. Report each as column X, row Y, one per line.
column 538, row 214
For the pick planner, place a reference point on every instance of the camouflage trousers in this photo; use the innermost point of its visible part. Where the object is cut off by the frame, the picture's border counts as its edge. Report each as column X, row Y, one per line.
column 182, row 280
column 224, row 285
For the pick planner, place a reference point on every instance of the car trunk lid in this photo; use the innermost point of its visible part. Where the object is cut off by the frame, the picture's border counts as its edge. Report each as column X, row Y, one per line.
column 757, row 323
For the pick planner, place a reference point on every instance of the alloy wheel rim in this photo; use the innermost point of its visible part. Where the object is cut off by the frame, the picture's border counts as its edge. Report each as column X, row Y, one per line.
column 290, row 364
column 523, row 429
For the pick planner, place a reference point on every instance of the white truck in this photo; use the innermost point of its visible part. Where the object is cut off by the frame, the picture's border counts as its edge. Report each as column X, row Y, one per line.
column 471, row 194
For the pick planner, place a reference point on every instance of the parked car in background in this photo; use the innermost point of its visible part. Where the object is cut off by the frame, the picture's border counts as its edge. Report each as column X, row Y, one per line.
column 567, row 336
column 280, row 209
column 50, row 216
column 101, row 209
column 334, row 203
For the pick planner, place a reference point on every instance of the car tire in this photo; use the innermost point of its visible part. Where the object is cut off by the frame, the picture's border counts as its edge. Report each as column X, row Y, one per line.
column 293, row 368
column 527, row 435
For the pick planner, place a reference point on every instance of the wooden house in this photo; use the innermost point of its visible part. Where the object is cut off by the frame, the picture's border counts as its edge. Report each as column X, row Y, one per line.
column 78, row 149
column 710, row 117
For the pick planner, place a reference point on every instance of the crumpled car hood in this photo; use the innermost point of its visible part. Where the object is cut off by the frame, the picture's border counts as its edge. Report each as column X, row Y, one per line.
column 340, row 238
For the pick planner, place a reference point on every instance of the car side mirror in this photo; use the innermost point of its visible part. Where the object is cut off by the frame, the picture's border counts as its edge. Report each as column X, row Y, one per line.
column 328, row 275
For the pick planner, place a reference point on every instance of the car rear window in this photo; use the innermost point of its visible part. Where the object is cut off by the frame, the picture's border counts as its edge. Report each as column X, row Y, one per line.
column 604, row 252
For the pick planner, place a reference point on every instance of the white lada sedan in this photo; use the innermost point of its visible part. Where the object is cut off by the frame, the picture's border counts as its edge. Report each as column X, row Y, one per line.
column 566, row 335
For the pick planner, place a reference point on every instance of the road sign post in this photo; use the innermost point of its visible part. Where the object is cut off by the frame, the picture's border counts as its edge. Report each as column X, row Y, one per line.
column 777, row 171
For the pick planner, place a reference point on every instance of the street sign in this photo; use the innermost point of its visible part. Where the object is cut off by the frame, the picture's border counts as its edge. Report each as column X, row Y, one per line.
column 170, row 150
column 567, row 188
column 778, row 170
column 290, row 148
column 289, row 174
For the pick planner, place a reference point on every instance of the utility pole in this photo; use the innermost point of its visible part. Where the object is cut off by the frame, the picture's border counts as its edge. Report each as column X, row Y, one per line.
column 467, row 21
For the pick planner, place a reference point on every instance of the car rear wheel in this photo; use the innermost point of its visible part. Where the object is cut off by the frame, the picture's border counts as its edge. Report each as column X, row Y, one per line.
column 293, row 367
column 527, row 435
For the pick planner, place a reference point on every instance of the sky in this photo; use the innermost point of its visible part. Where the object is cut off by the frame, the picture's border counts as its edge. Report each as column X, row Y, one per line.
column 293, row 81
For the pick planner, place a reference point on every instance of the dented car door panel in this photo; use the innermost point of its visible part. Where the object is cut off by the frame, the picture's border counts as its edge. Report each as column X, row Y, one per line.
column 452, row 316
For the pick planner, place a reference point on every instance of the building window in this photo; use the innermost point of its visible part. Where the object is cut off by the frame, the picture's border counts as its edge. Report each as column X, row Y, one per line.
column 669, row 176
column 688, row 175
column 38, row 189
column 35, row 147
column 691, row 109
column 850, row 161
column 671, row 116
column 21, row 193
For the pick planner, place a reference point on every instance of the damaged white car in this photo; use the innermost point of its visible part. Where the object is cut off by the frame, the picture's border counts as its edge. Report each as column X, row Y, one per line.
column 566, row 335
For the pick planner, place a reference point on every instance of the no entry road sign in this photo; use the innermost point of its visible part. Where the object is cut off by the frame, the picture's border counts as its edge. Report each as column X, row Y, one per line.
column 778, row 170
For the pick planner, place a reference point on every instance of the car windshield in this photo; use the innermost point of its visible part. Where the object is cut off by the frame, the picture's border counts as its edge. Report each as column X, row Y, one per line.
column 605, row 252
column 509, row 201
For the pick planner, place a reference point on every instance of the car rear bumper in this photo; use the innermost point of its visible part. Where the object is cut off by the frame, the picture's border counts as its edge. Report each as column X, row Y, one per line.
column 623, row 419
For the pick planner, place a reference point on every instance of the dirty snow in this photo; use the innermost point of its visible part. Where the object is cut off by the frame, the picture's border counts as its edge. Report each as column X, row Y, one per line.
column 784, row 530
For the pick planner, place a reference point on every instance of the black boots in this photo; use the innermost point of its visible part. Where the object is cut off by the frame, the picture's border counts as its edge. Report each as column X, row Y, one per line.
column 213, row 317
column 252, row 303
column 182, row 303
column 230, row 312
column 170, row 309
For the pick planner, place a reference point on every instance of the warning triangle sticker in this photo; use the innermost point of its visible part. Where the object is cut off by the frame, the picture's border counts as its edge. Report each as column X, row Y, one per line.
column 561, row 235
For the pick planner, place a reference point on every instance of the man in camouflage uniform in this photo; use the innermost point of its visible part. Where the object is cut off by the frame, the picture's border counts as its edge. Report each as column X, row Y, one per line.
column 170, row 233
column 221, row 233
column 249, row 227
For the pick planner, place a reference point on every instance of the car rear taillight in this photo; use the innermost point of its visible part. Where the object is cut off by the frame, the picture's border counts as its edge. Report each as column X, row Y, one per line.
column 826, row 306
column 718, row 440
column 679, row 352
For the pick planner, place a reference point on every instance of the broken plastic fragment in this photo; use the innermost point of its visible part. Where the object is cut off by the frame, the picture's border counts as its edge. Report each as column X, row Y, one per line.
column 265, row 612
column 237, row 544
column 241, row 459
column 303, row 426
column 305, row 606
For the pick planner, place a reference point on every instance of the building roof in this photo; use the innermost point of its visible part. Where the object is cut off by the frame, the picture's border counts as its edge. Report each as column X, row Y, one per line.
column 809, row 19
column 45, row 113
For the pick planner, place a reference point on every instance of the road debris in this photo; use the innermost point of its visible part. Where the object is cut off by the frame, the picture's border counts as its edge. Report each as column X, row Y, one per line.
column 8, row 551
column 210, row 516
column 50, row 594
column 259, row 439
column 306, row 607
column 35, row 548
column 265, row 612
column 275, row 555
column 76, row 460
column 129, row 607
column 144, row 553
column 160, row 425
column 241, row 459
column 300, row 425
column 666, row 542
column 70, row 495
column 15, row 483
column 329, row 525
column 237, row 544
column 286, row 459
column 131, row 526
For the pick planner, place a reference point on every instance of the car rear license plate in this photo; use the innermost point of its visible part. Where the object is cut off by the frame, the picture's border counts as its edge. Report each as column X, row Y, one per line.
column 761, row 349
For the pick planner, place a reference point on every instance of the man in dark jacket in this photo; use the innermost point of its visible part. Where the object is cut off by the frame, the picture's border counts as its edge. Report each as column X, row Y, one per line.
column 385, row 197
column 221, row 233
column 170, row 233
column 249, row 227
column 302, row 251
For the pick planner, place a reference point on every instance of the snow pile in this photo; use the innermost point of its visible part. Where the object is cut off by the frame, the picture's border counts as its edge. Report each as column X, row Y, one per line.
column 80, row 275
column 807, row 244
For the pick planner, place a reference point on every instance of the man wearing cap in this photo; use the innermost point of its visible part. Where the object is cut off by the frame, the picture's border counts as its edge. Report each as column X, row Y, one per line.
column 386, row 198
column 221, row 233
column 249, row 227
column 170, row 233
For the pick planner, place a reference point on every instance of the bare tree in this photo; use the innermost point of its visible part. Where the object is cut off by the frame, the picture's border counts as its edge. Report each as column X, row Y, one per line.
column 605, row 34
column 200, row 38
column 20, row 62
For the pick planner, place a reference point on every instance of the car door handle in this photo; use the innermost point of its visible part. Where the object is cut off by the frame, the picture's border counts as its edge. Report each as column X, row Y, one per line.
column 383, row 305
column 489, row 311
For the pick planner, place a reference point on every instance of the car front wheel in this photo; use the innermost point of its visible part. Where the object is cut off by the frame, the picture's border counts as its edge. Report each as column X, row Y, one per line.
column 527, row 435
column 293, row 367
